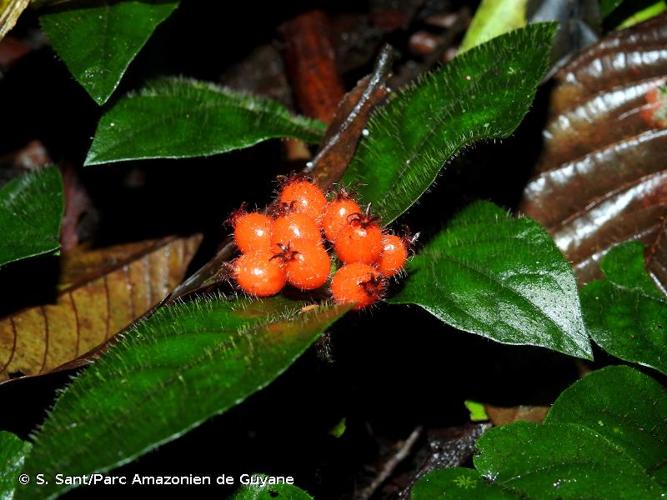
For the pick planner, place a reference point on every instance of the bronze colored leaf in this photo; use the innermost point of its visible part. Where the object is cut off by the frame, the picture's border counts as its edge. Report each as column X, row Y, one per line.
column 500, row 415
column 100, row 292
column 10, row 10
column 602, row 177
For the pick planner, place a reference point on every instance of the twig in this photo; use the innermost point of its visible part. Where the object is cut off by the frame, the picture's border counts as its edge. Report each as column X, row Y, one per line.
column 390, row 465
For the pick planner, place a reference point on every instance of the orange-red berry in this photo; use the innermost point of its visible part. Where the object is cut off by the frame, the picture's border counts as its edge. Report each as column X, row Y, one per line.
column 358, row 284
column 303, row 197
column 308, row 267
column 336, row 214
column 293, row 229
column 252, row 231
column 359, row 241
column 394, row 255
column 259, row 273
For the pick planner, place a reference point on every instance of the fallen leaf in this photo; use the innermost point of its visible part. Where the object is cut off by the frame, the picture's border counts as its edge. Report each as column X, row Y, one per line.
column 311, row 64
column 601, row 179
column 500, row 415
column 100, row 292
column 10, row 10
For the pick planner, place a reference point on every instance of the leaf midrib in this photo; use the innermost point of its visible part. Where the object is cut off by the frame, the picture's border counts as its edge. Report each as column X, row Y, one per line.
column 170, row 118
column 499, row 284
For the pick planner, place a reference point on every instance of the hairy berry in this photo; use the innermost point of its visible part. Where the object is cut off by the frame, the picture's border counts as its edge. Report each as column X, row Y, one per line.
column 258, row 273
column 293, row 229
column 252, row 231
column 394, row 255
column 359, row 241
column 336, row 214
column 358, row 284
column 303, row 197
column 308, row 267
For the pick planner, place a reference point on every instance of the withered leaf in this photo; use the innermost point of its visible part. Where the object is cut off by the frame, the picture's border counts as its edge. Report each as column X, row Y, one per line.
column 10, row 10
column 602, row 177
column 311, row 65
column 100, row 292
column 500, row 415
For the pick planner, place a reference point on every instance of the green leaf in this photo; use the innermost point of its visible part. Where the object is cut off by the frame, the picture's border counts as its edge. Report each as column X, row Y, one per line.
column 609, row 6
column 500, row 277
column 264, row 491
column 339, row 429
column 12, row 456
column 458, row 483
column 605, row 437
column 493, row 18
column 180, row 118
column 482, row 94
column 476, row 410
column 31, row 208
column 626, row 314
column 567, row 461
column 644, row 14
column 626, row 407
column 171, row 372
column 98, row 41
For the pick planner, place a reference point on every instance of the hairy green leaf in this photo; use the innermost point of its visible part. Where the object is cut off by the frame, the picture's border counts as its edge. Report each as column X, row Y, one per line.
column 500, row 277
column 261, row 490
column 565, row 461
column 458, row 483
column 98, row 41
column 626, row 314
column 31, row 208
column 169, row 373
column 482, row 94
column 626, row 407
column 12, row 456
column 180, row 118
column 493, row 18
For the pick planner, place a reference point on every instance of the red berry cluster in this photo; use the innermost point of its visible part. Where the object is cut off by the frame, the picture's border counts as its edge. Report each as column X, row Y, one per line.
column 286, row 246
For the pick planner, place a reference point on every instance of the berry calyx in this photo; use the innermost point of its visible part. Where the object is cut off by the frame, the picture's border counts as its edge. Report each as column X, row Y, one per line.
column 359, row 241
column 358, row 284
column 252, row 231
column 259, row 274
column 336, row 214
column 292, row 229
column 303, row 197
column 394, row 255
column 308, row 267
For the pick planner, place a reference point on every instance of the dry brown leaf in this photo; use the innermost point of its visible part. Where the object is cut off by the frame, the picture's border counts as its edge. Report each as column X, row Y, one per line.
column 602, row 178
column 10, row 10
column 101, row 292
column 500, row 415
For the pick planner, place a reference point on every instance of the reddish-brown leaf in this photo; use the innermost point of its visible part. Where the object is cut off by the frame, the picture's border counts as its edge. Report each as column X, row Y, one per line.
column 311, row 65
column 348, row 124
column 602, row 178
column 100, row 292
